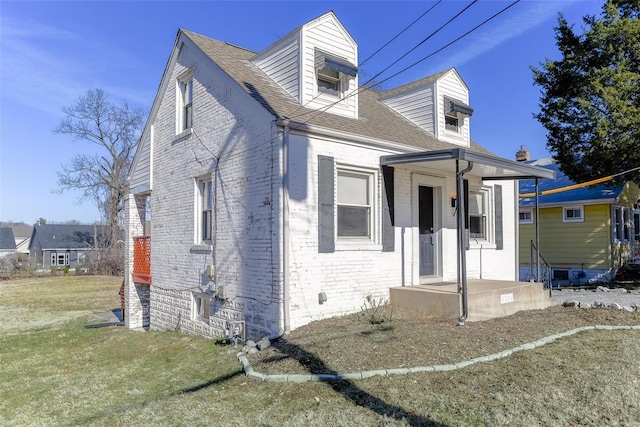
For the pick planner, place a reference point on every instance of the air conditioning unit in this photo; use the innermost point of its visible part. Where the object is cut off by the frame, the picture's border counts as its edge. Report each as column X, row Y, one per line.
column 221, row 292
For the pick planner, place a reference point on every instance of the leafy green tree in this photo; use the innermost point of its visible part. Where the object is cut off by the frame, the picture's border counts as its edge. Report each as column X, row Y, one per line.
column 590, row 97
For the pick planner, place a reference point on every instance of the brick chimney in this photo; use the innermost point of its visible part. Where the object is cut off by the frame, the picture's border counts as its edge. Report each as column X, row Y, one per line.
column 523, row 155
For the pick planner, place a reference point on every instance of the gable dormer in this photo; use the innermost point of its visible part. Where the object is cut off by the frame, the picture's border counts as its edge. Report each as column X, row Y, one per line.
column 315, row 64
column 439, row 104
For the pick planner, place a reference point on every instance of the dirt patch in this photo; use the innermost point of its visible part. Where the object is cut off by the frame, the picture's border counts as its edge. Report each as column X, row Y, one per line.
column 351, row 344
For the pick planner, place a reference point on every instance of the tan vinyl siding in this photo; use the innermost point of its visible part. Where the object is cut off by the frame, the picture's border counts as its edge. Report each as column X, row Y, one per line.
column 565, row 244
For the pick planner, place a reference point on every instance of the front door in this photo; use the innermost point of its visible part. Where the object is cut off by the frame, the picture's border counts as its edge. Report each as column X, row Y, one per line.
column 427, row 238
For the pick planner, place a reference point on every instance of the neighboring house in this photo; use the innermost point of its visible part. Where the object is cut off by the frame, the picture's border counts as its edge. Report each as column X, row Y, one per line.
column 7, row 242
column 22, row 233
column 585, row 233
column 62, row 245
column 280, row 193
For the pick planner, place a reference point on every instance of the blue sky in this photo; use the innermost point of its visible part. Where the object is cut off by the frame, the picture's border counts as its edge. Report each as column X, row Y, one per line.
column 52, row 52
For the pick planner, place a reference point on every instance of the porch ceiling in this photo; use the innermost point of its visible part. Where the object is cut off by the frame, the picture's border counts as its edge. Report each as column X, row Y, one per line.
column 485, row 166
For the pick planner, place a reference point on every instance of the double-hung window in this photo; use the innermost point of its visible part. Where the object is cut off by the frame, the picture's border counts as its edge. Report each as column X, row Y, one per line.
column 329, row 82
column 354, row 204
column 205, row 211
column 185, row 103
column 478, row 209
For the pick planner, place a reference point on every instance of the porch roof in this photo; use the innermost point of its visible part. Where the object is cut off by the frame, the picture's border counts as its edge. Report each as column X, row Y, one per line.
column 485, row 166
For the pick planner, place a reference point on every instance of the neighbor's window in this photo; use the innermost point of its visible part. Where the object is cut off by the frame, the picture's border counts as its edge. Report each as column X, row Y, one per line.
column 354, row 204
column 621, row 223
column 526, row 216
column 205, row 211
column 478, row 209
column 185, row 88
column 59, row 259
column 573, row 214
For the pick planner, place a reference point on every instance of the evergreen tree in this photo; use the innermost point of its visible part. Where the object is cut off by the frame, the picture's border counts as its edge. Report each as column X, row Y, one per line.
column 590, row 97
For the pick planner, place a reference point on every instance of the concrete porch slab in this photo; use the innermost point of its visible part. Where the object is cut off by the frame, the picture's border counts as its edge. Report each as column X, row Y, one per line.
column 487, row 299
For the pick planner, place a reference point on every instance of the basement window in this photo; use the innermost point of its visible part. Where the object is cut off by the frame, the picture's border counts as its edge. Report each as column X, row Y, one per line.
column 201, row 307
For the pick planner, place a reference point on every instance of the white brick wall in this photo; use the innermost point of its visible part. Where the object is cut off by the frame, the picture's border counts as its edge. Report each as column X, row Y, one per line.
column 230, row 125
column 247, row 254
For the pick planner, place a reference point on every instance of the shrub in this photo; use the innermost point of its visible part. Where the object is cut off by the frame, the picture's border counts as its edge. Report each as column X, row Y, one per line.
column 376, row 310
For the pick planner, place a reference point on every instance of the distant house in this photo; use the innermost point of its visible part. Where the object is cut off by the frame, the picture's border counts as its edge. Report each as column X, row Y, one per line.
column 7, row 242
column 282, row 193
column 62, row 245
column 22, row 233
column 585, row 233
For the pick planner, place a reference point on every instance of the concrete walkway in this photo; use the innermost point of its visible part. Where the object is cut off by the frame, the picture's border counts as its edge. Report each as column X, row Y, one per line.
column 301, row 378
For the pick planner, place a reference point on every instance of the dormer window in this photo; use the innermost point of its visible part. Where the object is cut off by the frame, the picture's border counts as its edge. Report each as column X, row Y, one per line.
column 333, row 73
column 454, row 113
column 329, row 82
column 451, row 122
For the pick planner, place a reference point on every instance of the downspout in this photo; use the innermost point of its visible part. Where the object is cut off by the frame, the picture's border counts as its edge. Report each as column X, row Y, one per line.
column 538, row 236
column 462, row 256
column 285, row 228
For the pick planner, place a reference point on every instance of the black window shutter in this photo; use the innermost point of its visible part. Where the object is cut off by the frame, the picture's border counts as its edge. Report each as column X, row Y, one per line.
column 388, row 214
column 497, row 194
column 326, row 197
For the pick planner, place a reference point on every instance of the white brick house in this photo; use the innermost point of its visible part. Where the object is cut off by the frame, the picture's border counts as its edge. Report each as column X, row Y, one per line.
column 280, row 194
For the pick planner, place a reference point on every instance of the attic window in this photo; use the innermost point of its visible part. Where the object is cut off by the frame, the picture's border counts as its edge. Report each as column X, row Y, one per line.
column 451, row 122
column 333, row 72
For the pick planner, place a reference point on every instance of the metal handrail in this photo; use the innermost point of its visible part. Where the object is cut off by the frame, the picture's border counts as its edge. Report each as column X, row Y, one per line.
column 542, row 270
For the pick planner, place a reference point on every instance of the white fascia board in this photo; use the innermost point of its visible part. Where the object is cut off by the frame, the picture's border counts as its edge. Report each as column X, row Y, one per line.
column 347, row 136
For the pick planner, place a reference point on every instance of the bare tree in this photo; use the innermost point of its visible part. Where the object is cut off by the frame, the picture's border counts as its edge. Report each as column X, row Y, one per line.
column 102, row 177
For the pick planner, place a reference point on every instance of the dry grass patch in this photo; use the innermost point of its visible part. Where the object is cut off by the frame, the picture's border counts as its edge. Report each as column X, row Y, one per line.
column 67, row 374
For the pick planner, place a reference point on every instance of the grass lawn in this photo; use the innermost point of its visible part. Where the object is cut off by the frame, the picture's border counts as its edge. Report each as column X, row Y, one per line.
column 55, row 371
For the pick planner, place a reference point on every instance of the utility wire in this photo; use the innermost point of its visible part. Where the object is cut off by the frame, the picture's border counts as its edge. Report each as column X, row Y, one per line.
column 363, row 88
column 580, row 185
column 375, row 53
column 400, row 33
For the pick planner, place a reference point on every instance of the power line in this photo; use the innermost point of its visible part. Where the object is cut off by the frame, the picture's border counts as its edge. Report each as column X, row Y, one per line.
column 376, row 52
column 399, row 34
column 362, row 88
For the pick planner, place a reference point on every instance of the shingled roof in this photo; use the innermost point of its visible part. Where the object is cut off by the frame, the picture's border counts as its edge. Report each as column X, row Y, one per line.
column 375, row 120
column 7, row 241
column 65, row 236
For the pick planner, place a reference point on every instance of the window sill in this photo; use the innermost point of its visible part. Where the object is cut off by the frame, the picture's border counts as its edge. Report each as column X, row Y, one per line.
column 481, row 244
column 183, row 135
column 202, row 248
column 355, row 245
